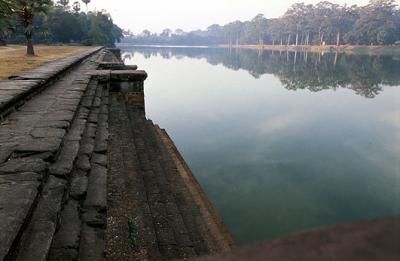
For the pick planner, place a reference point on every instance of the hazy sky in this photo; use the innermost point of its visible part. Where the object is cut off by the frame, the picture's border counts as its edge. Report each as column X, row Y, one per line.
column 157, row 15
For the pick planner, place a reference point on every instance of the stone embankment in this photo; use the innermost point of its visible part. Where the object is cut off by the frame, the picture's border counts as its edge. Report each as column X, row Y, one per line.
column 85, row 176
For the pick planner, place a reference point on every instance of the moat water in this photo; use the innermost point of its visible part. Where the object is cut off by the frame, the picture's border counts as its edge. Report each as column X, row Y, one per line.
column 281, row 142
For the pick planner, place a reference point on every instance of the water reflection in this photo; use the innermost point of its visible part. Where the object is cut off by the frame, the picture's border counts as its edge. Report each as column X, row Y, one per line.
column 365, row 75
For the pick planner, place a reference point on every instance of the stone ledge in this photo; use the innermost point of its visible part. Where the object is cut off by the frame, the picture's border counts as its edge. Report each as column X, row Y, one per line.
column 24, row 84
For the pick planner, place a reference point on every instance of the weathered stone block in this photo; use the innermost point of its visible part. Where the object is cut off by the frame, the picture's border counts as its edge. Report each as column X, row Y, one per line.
column 79, row 185
column 87, row 146
column 83, row 162
column 39, row 145
column 17, row 197
column 76, row 131
column 92, row 245
column 50, row 201
column 48, row 133
column 65, row 161
column 70, row 227
column 36, row 241
column 94, row 218
column 53, row 124
column 23, row 165
column 100, row 159
column 97, row 190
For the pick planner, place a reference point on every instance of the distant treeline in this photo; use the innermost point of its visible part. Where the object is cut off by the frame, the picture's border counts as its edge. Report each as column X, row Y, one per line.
column 60, row 23
column 325, row 23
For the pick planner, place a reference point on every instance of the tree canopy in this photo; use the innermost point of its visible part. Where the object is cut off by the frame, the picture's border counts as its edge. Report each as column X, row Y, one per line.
column 325, row 23
column 58, row 23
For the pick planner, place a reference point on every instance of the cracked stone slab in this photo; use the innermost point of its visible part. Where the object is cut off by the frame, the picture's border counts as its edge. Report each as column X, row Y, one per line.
column 60, row 116
column 100, row 159
column 48, row 132
column 68, row 234
column 38, row 237
column 5, row 152
column 53, row 124
column 39, row 145
column 23, row 165
column 17, row 197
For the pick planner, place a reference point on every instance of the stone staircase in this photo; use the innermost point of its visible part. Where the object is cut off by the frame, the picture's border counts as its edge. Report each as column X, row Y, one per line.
column 53, row 169
column 168, row 223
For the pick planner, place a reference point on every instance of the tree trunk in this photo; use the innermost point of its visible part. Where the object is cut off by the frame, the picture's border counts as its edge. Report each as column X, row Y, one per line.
column 338, row 39
column 319, row 36
column 322, row 39
column 288, row 39
column 336, row 58
column 29, row 45
column 297, row 39
column 3, row 38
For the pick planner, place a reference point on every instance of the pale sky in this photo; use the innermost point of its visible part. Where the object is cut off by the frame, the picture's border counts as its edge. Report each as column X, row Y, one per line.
column 156, row 15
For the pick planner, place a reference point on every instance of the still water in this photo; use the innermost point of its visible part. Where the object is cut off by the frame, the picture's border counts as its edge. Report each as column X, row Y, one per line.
column 281, row 142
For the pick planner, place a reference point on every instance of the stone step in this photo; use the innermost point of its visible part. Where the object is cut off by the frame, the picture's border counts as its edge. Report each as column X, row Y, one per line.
column 131, row 234
column 195, row 224
column 172, row 235
column 88, row 190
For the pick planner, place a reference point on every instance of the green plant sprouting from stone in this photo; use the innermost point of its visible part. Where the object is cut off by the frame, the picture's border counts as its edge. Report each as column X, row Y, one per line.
column 132, row 230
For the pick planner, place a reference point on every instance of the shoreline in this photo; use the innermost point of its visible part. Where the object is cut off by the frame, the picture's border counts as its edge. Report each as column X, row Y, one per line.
column 349, row 49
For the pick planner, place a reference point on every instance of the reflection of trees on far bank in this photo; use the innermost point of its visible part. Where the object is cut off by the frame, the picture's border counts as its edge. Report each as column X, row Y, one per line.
column 366, row 75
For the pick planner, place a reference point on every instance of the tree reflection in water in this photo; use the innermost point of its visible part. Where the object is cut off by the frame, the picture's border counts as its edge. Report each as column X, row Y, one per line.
column 366, row 75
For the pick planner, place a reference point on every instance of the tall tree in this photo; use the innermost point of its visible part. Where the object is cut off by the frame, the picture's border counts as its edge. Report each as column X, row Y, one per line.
column 26, row 11
column 378, row 23
column 260, row 26
column 6, row 11
column 64, row 3
column 76, row 6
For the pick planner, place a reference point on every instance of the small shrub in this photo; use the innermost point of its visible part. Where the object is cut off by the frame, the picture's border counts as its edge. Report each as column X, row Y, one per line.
column 132, row 231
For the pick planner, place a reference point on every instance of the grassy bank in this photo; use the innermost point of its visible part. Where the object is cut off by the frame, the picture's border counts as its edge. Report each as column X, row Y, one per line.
column 353, row 49
column 13, row 58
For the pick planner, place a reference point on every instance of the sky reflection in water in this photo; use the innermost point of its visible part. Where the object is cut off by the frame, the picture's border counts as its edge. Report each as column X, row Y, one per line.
column 281, row 142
